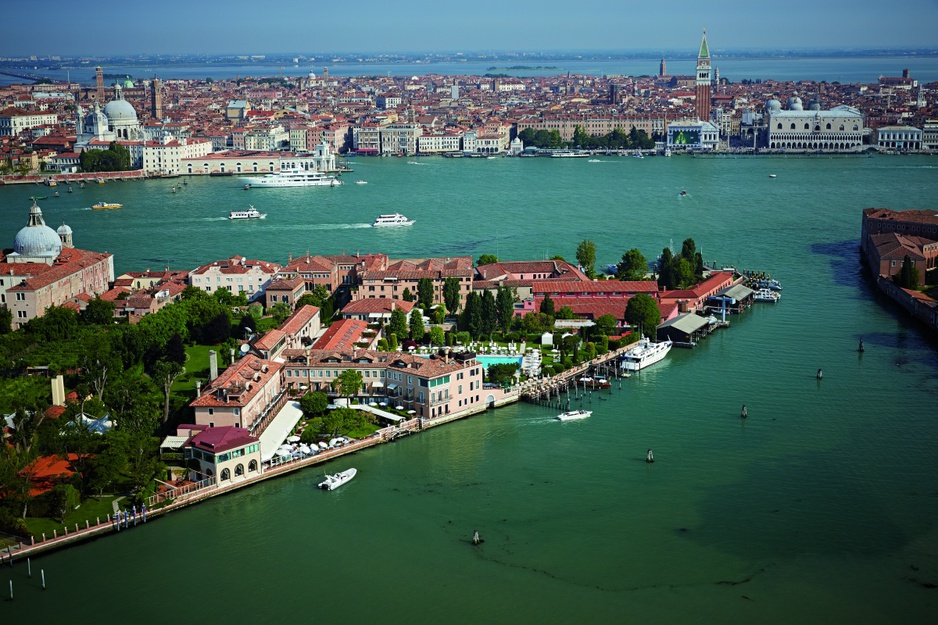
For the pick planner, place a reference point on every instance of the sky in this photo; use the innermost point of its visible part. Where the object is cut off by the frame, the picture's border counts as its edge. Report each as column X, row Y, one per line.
column 129, row 27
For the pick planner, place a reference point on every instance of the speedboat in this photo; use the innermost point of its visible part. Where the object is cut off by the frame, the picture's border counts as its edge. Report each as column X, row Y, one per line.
column 387, row 221
column 291, row 178
column 251, row 213
column 332, row 482
column 361, row 182
column 775, row 285
column 767, row 295
column 682, row 193
column 105, row 206
column 644, row 354
column 573, row 415
column 772, row 176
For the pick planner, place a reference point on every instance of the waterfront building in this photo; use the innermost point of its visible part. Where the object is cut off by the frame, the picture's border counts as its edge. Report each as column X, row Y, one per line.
column 117, row 121
column 440, row 142
column 699, row 135
column 840, row 129
column 322, row 159
column 166, row 157
column 236, row 274
column 886, row 254
column 242, row 396
column 605, row 289
column 14, row 120
column 900, row 138
column 930, row 135
column 695, row 298
column 431, row 387
column 919, row 223
column 704, row 81
column 43, row 269
column 594, row 125
column 232, row 162
column 229, row 454
column 391, row 278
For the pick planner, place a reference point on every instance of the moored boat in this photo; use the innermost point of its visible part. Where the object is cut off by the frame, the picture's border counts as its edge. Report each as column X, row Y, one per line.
column 105, row 205
column 332, row 482
column 573, row 415
column 767, row 295
column 644, row 354
column 291, row 178
column 393, row 220
column 250, row 213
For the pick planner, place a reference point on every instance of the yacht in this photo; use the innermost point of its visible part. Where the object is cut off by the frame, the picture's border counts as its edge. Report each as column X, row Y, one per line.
column 332, row 482
column 250, row 213
column 644, row 354
column 767, row 295
column 291, row 178
column 106, row 205
column 390, row 221
column 573, row 415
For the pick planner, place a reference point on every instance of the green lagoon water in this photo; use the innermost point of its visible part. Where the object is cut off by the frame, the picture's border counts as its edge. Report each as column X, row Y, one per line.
column 822, row 507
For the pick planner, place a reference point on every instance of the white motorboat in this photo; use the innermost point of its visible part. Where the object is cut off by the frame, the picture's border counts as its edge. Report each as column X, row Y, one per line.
column 291, row 178
column 644, row 354
column 250, row 213
column 573, row 415
column 361, row 182
column 390, row 221
column 775, row 285
column 767, row 295
column 332, row 482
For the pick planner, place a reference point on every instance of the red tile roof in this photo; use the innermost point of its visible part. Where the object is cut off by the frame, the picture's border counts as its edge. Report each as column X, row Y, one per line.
column 341, row 335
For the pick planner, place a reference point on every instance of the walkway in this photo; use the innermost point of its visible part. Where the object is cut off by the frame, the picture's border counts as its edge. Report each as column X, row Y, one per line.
column 279, row 428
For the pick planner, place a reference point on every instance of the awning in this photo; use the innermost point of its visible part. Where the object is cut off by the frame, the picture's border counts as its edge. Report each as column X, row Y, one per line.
column 377, row 384
column 392, row 386
column 173, row 442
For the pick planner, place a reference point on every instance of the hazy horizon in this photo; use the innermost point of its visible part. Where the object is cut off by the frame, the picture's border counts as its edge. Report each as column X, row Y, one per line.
column 305, row 27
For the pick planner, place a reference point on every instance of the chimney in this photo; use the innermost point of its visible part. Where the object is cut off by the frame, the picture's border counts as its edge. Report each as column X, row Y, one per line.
column 58, row 390
column 198, row 387
column 212, row 364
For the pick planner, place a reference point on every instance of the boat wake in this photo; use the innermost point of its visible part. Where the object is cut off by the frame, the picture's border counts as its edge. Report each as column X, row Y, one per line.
column 415, row 163
column 337, row 226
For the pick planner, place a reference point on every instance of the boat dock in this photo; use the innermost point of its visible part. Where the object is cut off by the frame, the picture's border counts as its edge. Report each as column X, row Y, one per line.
column 561, row 389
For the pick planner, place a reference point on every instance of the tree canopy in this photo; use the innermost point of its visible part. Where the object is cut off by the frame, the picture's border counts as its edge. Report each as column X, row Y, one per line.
column 633, row 266
column 586, row 256
column 642, row 311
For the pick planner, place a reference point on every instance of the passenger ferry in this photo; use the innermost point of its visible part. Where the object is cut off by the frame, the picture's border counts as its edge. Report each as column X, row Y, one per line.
column 644, row 355
column 390, row 221
column 106, row 206
column 250, row 213
column 291, row 178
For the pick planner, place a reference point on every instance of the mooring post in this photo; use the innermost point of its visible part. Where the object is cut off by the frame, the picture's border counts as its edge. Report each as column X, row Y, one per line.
column 42, row 572
column 29, row 568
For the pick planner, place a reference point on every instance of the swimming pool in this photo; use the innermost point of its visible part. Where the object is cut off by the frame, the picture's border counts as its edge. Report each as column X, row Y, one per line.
column 498, row 360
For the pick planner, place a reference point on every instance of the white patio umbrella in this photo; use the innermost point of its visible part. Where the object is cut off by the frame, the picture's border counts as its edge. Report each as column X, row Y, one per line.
column 293, row 439
column 411, row 412
column 398, row 407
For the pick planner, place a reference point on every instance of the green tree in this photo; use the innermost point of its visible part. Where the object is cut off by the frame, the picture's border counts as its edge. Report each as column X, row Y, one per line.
column 633, row 266
column 279, row 311
column 908, row 277
column 689, row 250
column 642, row 311
column 417, row 329
column 486, row 259
column 164, row 373
column 65, row 499
column 315, row 297
column 437, row 336
column 58, row 324
column 586, row 257
column 425, row 293
column 565, row 312
column 99, row 362
column 98, row 312
column 451, row 294
column 6, row 320
column 349, row 383
column 666, row 279
column 109, row 464
column 314, row 404
column 547, row 306
column 606, row 324
column 489, row 312
column 504, row 308
column 398, row 323
column 247, row 326
column 471, row 318
column 683, row 272
column 337, row 420
column 538, row 323
column 407, row 296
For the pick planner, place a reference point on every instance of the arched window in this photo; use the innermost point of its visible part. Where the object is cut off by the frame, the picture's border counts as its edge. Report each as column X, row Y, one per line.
column 239, row 470
column 855, row 128
column 793, row 125
column 817, row 128
column 806, row 125
column 841, row 128
column 252, row 466
column 225, row 475
column 828, row 125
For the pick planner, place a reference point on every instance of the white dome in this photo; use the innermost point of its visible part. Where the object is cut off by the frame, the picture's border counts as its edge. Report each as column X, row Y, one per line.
column 37, row 240
column 794, row 104
column 118, row 111
column 63, row 229
column 773, row 105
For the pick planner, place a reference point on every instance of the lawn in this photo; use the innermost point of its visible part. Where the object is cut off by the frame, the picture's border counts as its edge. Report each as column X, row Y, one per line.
column 89, row 510
column 196, row 368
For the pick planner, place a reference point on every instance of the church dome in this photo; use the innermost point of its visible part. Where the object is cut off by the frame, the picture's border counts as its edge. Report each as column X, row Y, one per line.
column 120, row 111
column 795, row 104
column 128, row 84
column 63, row 229
column 773, row 105
column 37, row 240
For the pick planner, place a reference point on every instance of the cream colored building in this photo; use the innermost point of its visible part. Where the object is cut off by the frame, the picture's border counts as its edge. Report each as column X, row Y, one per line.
column 236, row 274
column 839, row 129
column 14, row 120
column 229, row 454
column 166, row 157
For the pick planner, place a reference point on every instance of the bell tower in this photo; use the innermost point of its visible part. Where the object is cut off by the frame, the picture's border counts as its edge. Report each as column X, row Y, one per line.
column 704, row 80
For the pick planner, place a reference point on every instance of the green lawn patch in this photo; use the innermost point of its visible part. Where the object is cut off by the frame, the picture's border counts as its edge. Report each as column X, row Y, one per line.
column 90, row 509
column 196, row 368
